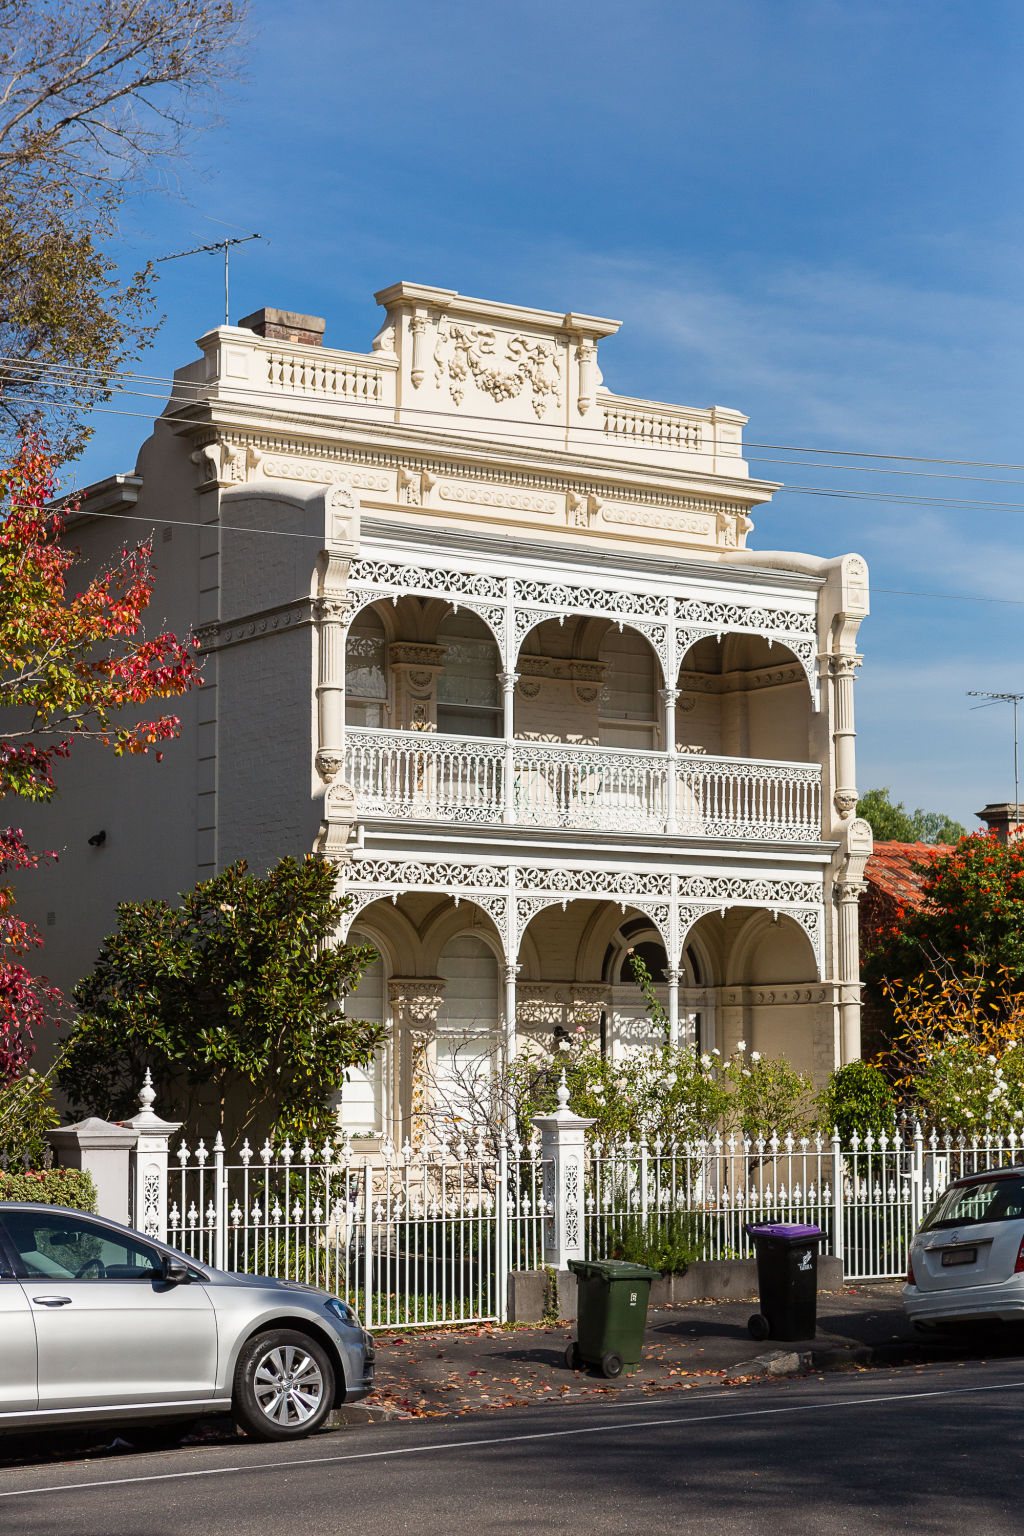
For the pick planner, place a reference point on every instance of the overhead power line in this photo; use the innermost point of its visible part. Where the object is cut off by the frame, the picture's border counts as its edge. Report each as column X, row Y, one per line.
column 97, row 379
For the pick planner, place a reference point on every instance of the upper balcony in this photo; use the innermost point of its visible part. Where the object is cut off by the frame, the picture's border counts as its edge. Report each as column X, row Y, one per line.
column 583, row 735
column 413, row 775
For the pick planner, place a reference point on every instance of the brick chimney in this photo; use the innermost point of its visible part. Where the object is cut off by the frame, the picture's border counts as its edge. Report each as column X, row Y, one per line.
column 1004, row 820
column 286, row 325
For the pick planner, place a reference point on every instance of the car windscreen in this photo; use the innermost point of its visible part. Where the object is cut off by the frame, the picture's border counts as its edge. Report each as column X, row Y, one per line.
column 966, row 1205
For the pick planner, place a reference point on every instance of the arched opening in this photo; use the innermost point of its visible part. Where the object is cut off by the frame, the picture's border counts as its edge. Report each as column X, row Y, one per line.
column 741, row 697
column 366, row 673
column 587, row 682
column 468, row 693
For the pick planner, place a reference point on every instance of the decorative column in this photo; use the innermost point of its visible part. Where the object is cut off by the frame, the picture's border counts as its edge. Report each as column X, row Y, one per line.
column 586, row 362
column 842, row 670
column 508, row 682
column 564, row 1156
column 669, row 698
column 332, row 617
column 848, row 894
column 418, row 330
column 415, row 1005
column 149, row 1165
column 673, row 978
column 510, row 972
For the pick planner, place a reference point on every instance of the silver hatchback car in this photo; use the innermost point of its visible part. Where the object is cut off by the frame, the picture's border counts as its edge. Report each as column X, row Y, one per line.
column 967, row 1258
column 99, row 1324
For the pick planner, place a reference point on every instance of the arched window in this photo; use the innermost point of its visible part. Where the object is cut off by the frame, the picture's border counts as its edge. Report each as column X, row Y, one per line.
column 363, row 1108
column 468, row 697
column 629, row 698
column 468, row 1023
column 366, row 681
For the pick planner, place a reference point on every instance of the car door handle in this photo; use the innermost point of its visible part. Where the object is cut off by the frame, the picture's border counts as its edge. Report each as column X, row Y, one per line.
column 52, row 1301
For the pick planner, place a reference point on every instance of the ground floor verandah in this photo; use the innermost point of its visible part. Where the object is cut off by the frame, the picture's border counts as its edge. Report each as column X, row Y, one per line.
column 480, row 959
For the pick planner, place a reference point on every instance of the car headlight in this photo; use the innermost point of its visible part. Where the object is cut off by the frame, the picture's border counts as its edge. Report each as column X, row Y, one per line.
column 342, row 1310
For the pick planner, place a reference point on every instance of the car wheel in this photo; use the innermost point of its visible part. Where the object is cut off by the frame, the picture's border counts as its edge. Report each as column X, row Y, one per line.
column 284, row 1386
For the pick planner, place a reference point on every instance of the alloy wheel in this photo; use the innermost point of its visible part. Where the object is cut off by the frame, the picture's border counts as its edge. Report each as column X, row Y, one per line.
column 288, row 1385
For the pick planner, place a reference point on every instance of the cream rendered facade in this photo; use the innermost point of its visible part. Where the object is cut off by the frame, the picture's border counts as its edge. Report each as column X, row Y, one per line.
column 489, row 636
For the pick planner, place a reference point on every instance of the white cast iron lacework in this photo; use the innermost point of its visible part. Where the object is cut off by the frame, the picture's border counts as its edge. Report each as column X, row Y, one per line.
column 417, row 775
column 513, row 894
column 671, row 624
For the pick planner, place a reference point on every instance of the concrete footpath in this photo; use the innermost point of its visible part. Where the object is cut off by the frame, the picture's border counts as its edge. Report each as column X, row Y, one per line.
column 454, row 1371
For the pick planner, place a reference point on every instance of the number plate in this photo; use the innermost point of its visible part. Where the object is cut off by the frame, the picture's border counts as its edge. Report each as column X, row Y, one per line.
column 960, row 1256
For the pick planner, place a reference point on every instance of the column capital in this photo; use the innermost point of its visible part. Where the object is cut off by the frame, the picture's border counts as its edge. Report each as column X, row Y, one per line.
column 508, row 680
column 416, row 999
column 844, row 664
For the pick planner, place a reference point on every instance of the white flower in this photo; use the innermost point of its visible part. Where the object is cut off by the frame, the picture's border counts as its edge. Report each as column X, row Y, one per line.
column 755, row 1055
column 741, row 1045
column 1018, row 1114
column 715, row 1051
column 991, row 1060
column 745, row 1072
column 563, row 1045
column 705, row 1059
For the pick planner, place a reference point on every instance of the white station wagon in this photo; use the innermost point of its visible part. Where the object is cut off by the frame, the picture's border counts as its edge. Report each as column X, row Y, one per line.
column 967, row 1259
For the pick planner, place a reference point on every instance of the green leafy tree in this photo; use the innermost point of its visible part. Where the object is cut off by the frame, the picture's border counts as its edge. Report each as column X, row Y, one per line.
column 895, row 824
column 970, row 922
column 96, row 98
column 233, row 997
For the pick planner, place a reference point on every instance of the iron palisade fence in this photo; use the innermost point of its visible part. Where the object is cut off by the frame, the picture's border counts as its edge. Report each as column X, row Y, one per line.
column 428, row 1234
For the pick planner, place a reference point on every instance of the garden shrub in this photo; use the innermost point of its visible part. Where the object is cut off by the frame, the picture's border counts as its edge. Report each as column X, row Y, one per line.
column 858, row 1097
column 50, row 1186
column 669, row 1243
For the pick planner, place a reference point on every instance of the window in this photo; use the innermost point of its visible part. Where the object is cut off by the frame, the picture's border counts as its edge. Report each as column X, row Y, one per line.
column 466, row 1036
column 363, row 1104
column 366, row 684
column 468, row 701
column 61, row 1245
column 628, row 703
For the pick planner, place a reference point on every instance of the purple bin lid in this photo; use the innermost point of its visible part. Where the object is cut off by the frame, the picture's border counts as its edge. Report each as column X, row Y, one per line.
column 779, row 1229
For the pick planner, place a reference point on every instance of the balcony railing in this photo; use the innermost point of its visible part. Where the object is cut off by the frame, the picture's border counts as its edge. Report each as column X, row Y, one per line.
column 412, row 775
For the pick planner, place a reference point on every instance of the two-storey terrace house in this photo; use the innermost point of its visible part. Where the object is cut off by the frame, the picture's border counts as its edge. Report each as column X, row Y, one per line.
column 491, row 638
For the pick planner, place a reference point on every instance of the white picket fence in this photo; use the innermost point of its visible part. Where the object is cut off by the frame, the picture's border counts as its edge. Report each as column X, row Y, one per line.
column 429, row 1235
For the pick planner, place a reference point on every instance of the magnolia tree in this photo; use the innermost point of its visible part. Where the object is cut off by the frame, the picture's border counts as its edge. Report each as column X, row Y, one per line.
column 232, row 999
column 71, row 663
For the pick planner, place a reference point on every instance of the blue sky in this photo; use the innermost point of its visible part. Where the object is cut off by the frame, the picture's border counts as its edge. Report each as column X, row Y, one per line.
column 806, row 209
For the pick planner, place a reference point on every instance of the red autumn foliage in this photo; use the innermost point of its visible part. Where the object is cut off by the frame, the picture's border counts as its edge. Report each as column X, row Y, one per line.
column 70, row 663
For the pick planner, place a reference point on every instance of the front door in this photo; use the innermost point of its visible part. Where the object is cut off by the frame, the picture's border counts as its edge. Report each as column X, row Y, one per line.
column 109, row 1328
column 17, row 1345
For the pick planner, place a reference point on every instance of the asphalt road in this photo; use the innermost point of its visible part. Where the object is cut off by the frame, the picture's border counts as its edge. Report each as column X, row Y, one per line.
column 930, row 1451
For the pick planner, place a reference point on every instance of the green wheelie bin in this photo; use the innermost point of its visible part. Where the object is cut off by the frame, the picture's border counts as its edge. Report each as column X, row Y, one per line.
column 611, row 1314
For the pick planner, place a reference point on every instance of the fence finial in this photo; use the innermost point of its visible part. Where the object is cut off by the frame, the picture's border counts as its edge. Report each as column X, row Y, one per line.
column 562, row 1094
column 147, row 1093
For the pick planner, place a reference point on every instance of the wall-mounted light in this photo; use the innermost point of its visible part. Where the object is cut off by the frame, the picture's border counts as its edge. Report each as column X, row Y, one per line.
column 97, row 840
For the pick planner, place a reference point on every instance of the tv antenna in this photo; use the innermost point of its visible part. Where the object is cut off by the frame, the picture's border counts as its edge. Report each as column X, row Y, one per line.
column 218, row 245
column 1003, row 698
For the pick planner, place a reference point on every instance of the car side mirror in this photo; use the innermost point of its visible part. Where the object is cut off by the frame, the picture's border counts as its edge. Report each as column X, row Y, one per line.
column 175, row 1270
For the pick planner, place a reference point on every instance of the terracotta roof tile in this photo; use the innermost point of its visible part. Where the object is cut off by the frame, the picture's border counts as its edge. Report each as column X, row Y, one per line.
column 891, row 869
